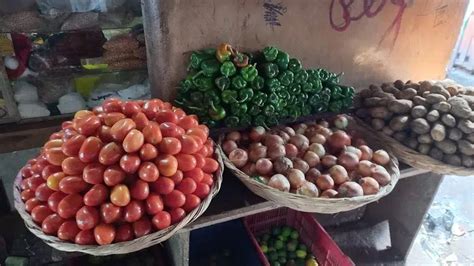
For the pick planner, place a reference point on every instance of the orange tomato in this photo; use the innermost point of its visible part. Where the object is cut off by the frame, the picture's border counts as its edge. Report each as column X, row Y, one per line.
column 166, row 116
column 120, row 195
column 68, row 231
column 51, row 224
column 104, row 133
column 54, row 199
column 54, row 143
column 43, row 192
column 124, row 233
column 139, row 190
column 200, row 160
column 104, row 234
column 177, row 215
column 186, row 162
column 129, row 108
column 170, row 145
column 179, row 112
column 188, row 122
column 171, row 130
column 163, row 185
column 161, row 220
column 152, row 133
column 140, row 120
column 110, row 153
column 114, row 175
column 39, row 213
column 72, row 146
column 134, row 211
column 72, row 185
column 90, row 149
column 57, row 135
column 174, row 199
column 148, row 172
column 87, row 125
column 167, row 165
column 202, row 190
column 197, row 174
column 190, row 144
column 198, row 132
column 210, row 166
column 55, row 156
column 112, row 105
column 66, row 124
column 121, row 128
column 87, row 217
column 177, row 177
column 97, row 195
column 130, row 163
column 187, row 185
column 109, row 119
column 69, row 205
column 34, row 182
column 85, row 237
column 54, row 179
column 133, row 141
column 31, row 203
column 207, row 179
column 192, row 201
column 110, row 213
column 142, row 227
column 93, row 173
column 153, row 204
column 27, row 194
column 148, row 152
column 82, row 114
column 73, row 166
column 150, row 108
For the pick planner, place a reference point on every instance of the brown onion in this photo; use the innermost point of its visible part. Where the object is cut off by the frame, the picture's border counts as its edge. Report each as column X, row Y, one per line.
column 256, row 153
column 381, row 175
column 350, row 189
column 323, row 123
column 291, row 150
column 256, row 133
column 300, row 164
column 354, row 175
column 290, row 131
column 228, row 146
column 381, row 157
column 279, row 182
column 317, row 148
column 339, row 174
column 326, row 132
column 255, row 144
column 365, row 168
column 358, row 142
column 312, row 175
column 276, row 151
column 300, row 141
column 308, row 189
column 366, row 152
column 341, row 121
column 348, row 160
column 234, row 135
column 354, row 150
column 272, row 139
column 282, row 164
column 300, row 128
column 264, row 166
column 238, row 157
column 325, row 182
column 338, row 140
column 330, row 193
column 296, row 178
column 329, row 160
column 369, row 185
column 318, row 138
column 249, row 169
column 311, row 158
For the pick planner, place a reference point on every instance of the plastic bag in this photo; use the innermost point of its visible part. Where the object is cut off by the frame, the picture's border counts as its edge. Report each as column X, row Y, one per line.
column 29, row 110
column 46, row 6
column 25, row 92
column 71, row 102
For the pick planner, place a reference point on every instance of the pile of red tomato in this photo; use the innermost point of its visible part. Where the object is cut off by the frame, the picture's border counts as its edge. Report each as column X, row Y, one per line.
column 119, row 172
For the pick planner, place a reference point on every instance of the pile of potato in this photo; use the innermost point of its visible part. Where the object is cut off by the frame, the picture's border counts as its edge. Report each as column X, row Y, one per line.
column 434, row 118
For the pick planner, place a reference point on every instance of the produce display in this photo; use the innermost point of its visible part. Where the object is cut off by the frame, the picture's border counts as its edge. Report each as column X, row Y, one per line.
column 225, row 87
column 433, row 118
column 119, row 172
column 312, row 159
column 282, row 247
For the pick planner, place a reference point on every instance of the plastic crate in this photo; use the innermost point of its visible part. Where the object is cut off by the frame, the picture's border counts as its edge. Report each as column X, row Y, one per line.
column 312, row 234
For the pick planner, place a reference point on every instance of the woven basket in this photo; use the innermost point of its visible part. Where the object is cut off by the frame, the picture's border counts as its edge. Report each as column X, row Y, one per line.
column 122, row 247
column 310, row 204
column 416, row 159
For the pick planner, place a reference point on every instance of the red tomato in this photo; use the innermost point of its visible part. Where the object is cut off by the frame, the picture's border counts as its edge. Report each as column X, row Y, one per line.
column 55, row 156
column 39, row 213
column 110, row 153
column 57, row 135
column 73, row 166
column 198, row 132
column 177, row 177
column 150, row 108
column 210, row 147
column 142, row 227
column 202, row 190
column 110, row 119
column 66, row 124
column 163, row 185
column 177, row 215
column 188, row 122
column 161, row 220
column 112, row 105
column 174, row 199
column 148, row 152
column 210, row 166
column 24, row 184
column 53, row 180
column 54, row 143
column 43, row 192
column 83, row 114
column 26, row 171
column 69, row 133
column 97, row 195
column 134, row 211
column 166, row 116
column 130, row 163
column 197, row 174
column 192, row 201
column 148, row 172
column 87, row 126
column 170, row 145
column 187, row 186
column 34, row 182
column 72, row 185
column 93, row 173
column 54, row 199
column 49, row 170
column 104, row 133
column 110, row 213
column 200, row 160
column 90, row 149
column 139, row 190
column 190, row 144
column 27, row 194
column 121, row 128
column 98, row 109
column 124, row 233
column 153, row 204
column 72, row 146
column 129, row 108
column 114, row 175
column 87, row 218
column 167, row 106
column 68, row 231
column 69, row 205
column 186, row 162
column 140, row 120
column 133, row 141
column 39, row 166
column 152, row 133
column 31, row 203
column 207, row 179
column 120, row 195
column 104, row 234
column 204, row 151
column 167, row 165
column 85, row 237
column 179, row 112
column 171, row 130
column 51, row 224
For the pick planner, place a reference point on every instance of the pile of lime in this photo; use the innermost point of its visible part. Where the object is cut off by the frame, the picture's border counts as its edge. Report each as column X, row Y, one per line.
column 282, row 247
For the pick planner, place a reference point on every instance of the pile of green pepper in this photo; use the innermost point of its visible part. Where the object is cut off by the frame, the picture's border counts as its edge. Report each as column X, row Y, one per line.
column 225, row 87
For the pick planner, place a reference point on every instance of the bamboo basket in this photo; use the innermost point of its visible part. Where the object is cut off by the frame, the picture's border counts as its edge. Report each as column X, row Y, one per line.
column 311, row 204
column 121, row 247
column 416, row 159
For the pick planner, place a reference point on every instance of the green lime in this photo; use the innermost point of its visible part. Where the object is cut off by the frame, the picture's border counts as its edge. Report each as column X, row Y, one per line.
column 279, row 244
column 291, row 246
column 264, row 248
column 286, row 232
column 266, row 237
column 282, row 260
column 281, row 253
column 294, row 235
column 273, row 256
column 282, row 238
column 301, row 254
column 303, row 247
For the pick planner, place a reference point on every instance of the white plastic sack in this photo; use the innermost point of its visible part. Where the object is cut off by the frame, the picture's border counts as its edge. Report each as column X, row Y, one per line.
column 25, row 92
column 97, row 97
column 137, row 91
column 71, row 102
column 29, row 110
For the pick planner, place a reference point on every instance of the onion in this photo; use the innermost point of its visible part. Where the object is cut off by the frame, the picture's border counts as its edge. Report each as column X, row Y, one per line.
column 348, row 160
column 279, row 182
column 300, row 164
column 245, row 136
column 276, row 151
column 300, row 128
column 339, row 174
column 249, row 169
column 238, row 157
column 300, row 141
column 290, row 131
column 323, row 123
column 284, row 136
column 308, row 189
column 369, row 185
column 234, row 135
column 338, row 140
column 296, row 178
column 258, row 152
column 328, row 160
column 291, row 150
column 365, row 168
column 354, row 150
column 341, row 121
column 359, row 142
column 255, row 144
column 325, row 182
column 317, row 148
column 330, row 193
column 264, row 166
column 228, row 146
column 381, row 175
column 381, row 157
column 282, row 164
column 256, row 133
column 318, row 138
column 350, row 189
column 311, row 158
column 311, row 131
column 312, row 175
column 366, row 152
column 272, row 139
column 354, row 176
column 326, row 132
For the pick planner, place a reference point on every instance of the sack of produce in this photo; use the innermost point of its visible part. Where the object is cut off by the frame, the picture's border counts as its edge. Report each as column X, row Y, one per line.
column 120, row 178
column 428, row 125
column 313, row 167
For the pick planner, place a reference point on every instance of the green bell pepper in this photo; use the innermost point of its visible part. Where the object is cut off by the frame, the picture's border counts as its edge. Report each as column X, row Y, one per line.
column 270, row 53
column 307, row 87
column 241, row 60
column 238, row 108
column 294, row 88
column 294, row 65
column 317, row 85
column 223, row 52
column 282, row 60
column 301, row 76
column 210, row 67
column 203, row 83
column 259, row 120
column 208, row 122
column 211, row 96
column 223, row 83
column 273, row 84
column 245, row 120
column 228, row 69
column 258, row 83
column 196, row 97
column 254, row 110
column 239, row 82
column 286, row 77
column 314, row 100
column 323, row 74
column 259, row 99
column 269, row 110
column 229, row 96
column 196, row 59
column 336, row 93
column 249, row 73
column 294, row 112
column 270, row 70
column 232, row 121
column 273, row 98
column 335, row 106
column 245, row 95
column 186, row 84
column 216, row 113
column 305, row 109
column 271, row 121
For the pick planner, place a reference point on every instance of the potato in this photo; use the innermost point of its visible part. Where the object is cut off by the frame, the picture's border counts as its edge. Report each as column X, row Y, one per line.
column 390, row 89
column 377, row 123
column 380, row 112
column 470, row 137
column 453, row 91
column 467, row 161
column 424, row 148
column 411, row 142
column 438, row 132
column 418, row 100
column 446, row 146
column 365, row 93
column 453, row 159
column 425, row 86
column 400, row 106
column 448, row 120
column 400, row 136
column 459, row 107
column 434, row 98
column 387, row 131
column 374, row 88
column 442, row 107
column 362, row 112
column 466, row 126
column 412, row 85
column 399, row 123
column 438, row 89
column 454, row 134
column 424, row 139
column 399, row 84
column 406, row 94
column 466, row 147
column 420, row 126
column 384, row 95
column 469, row 99
column 432, row 115
column 436, row 153
column 418, row 111
column 374, row 101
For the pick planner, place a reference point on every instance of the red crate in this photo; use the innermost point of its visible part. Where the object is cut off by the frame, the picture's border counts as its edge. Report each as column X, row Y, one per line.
column 312, row 234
